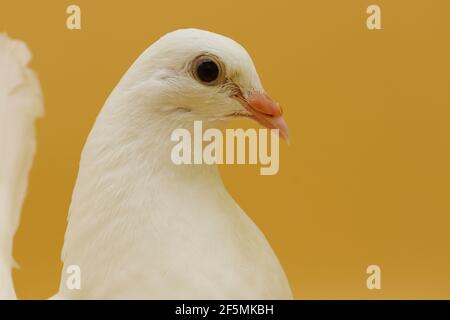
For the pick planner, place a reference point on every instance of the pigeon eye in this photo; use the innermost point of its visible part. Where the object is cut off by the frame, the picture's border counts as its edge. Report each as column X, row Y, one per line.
column 207, row 70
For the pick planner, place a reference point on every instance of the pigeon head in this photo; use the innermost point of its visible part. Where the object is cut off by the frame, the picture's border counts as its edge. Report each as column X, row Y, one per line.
column 200, row 75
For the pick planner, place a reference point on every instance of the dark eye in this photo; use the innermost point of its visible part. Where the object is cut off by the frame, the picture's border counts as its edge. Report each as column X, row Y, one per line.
column 207, row 70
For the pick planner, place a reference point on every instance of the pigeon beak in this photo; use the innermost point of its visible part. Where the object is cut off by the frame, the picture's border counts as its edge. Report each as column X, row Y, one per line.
column 267, row 112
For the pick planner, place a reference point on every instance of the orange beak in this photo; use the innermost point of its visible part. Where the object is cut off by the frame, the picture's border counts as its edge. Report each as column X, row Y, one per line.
column 267, row 112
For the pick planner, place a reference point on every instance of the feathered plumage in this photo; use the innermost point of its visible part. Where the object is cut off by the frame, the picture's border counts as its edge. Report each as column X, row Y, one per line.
column 20, row 104
column 141, row 226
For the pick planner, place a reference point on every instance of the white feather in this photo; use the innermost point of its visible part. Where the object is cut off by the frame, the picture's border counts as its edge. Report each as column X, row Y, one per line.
column 142, row 227
column 20, row 104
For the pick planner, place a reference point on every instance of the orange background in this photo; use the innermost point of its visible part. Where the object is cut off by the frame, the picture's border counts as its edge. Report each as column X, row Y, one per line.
column 366, row 179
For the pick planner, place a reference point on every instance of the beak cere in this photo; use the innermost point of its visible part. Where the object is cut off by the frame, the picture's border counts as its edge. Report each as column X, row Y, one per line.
column 267, row 112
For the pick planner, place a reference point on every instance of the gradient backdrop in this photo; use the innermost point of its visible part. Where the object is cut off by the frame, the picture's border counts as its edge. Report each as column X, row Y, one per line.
column 366, row 179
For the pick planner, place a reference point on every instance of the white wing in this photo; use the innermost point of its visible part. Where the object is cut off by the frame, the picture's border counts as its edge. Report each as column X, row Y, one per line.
column 20, row 104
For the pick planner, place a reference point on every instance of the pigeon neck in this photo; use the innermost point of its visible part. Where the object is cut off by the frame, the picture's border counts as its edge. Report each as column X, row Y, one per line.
column 128, row 187
column 126, row 173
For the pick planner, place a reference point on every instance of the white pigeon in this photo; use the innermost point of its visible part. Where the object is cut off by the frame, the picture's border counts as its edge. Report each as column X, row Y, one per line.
column 142, row 227
column 20, row 104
